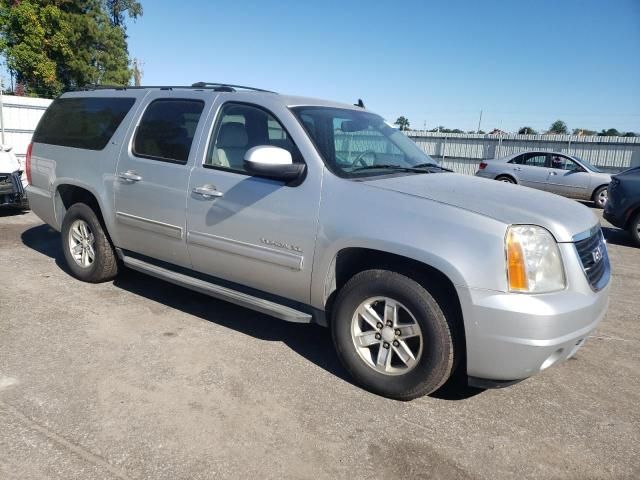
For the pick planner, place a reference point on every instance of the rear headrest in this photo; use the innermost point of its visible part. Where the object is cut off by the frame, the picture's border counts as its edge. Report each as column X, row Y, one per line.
column 232, row 135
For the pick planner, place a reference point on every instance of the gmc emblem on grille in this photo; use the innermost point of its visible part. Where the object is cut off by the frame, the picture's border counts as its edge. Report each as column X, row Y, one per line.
column 597, row 254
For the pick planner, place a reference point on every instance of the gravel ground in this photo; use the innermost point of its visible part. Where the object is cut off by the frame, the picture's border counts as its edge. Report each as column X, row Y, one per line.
column 141, row 379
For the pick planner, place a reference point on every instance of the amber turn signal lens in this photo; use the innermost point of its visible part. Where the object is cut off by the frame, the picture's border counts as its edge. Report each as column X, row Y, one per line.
column 515, row 264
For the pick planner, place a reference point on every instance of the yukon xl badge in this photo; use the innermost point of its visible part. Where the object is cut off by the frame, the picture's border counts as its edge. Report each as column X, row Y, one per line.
column 286, row 246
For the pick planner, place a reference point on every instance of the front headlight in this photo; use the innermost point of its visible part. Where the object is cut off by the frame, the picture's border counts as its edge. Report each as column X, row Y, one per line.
column 534, row 264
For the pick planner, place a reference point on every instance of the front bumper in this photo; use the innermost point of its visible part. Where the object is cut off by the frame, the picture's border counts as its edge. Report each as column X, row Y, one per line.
column 11, row 189
column 613, row 217
column 512, row 336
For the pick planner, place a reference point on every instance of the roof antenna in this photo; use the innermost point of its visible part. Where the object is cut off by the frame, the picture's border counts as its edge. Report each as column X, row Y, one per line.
column 359, row 104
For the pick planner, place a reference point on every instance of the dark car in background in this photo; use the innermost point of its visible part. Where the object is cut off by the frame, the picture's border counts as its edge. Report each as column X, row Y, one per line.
column 623, row 206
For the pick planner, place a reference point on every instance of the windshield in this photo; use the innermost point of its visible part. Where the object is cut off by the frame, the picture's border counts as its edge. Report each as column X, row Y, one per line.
column 357, row 144
column 589, row 165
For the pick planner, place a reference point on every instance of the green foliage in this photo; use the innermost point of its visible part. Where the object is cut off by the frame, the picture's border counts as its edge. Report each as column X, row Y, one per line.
column 630, row 134
column 527, row 131
column 403, row 123
column 443, row 129
column 559, row 127
column 53, row 46
column 117, row 9
column 611, row 132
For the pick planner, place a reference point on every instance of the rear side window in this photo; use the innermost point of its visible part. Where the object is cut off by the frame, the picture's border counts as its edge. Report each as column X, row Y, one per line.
column 87, row 122
column 167, row 129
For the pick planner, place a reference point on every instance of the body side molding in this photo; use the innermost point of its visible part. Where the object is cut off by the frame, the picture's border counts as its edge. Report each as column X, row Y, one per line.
column 217, row 291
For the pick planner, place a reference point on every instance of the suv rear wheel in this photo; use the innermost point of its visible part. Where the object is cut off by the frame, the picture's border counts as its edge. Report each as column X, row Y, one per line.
column 392, row 336
column 86, row 248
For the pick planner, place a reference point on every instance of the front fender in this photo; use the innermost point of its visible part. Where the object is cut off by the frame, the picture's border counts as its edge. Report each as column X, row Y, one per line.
column 466, row 247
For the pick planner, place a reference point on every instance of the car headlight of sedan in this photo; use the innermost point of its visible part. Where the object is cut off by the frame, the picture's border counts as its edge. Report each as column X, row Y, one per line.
column 534, row 264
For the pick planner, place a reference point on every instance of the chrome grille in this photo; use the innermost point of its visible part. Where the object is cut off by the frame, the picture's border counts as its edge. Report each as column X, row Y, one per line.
column 595, row 260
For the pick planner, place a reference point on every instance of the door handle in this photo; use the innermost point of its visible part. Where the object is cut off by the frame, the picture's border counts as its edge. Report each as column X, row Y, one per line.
column 129, row 176
column 208, row 191
column 553, row 173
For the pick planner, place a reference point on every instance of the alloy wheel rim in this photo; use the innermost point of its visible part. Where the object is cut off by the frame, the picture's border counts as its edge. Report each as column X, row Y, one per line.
column 82, row 243
column 603, row 197
column 387, row 336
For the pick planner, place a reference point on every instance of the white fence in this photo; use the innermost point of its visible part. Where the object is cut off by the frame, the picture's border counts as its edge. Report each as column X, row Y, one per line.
column 19, row 117
column 463, row 152
column 460, row 152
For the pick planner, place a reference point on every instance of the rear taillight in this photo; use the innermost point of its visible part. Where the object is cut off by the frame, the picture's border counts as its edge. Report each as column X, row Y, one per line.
column 27, row 163
column 482, row 166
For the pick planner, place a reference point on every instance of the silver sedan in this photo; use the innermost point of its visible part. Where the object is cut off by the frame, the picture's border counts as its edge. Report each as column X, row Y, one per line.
column 550, row 171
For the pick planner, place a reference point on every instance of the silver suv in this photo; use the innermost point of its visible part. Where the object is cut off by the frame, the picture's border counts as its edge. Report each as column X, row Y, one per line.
column 314, row 211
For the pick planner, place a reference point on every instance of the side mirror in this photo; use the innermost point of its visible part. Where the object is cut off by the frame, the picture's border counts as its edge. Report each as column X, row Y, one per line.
column 272, row 162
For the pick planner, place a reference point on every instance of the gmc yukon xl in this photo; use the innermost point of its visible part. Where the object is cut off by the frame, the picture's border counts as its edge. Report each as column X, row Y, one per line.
column 315, row 211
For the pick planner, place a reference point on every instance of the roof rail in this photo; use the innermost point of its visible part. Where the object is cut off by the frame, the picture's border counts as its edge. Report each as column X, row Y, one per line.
column 229, row 86
column 216, row 87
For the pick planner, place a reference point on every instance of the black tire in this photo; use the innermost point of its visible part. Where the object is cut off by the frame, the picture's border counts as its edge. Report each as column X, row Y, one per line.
column 436, row 363
column 105, row 264
column 505, row 179
column 597, row 197
column 634, row 228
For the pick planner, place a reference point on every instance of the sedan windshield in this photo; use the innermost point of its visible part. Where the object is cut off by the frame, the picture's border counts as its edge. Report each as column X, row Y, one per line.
column 358, row 144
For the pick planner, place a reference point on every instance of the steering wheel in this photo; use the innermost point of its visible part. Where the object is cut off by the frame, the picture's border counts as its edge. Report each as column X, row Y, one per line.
column 360, row 159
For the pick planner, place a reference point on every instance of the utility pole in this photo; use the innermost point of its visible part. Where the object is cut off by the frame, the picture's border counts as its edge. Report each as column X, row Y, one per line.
column 137, row 72
column 1, row 113
column 479, row 122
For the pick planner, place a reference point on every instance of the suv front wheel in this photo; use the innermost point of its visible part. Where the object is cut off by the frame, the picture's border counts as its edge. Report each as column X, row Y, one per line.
column 392, row 336
column 86, row 248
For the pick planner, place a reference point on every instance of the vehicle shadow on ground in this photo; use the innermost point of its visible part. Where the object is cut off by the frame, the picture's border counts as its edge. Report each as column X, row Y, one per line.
column 310, row 341
column 11, row 211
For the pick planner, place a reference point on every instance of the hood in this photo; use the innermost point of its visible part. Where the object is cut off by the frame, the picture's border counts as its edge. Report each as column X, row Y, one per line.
column 507, row 203
column 8, row 162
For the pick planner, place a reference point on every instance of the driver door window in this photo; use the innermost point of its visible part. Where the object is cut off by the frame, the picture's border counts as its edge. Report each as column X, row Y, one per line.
column 240, row 128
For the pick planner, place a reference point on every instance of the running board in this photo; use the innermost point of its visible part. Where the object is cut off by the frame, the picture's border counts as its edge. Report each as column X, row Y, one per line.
column 223, row 293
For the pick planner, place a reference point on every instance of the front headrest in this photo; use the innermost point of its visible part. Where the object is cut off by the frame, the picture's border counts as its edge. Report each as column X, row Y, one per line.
column 232, row 135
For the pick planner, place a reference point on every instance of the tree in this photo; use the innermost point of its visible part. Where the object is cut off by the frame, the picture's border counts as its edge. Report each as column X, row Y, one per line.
column 583, row 132
column 117, row 9
column 527, row 131
column 630, row 134
column 403, row 123
column 53, row 46
column 559, row 127
column 611, row 132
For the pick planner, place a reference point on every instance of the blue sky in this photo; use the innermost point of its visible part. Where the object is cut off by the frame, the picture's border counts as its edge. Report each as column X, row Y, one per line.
column 522, row 62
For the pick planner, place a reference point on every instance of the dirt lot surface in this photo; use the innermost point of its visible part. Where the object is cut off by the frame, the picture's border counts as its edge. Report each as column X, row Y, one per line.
column 141, row 379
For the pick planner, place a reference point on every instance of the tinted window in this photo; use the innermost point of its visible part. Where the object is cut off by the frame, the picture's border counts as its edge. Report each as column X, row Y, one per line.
column 87, row 122
column 531, row 159
column 241, row 127
column 167, row 129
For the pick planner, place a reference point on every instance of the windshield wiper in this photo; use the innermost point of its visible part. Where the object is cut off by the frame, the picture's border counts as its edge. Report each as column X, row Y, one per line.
column 432, row 165
column 391, row 167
